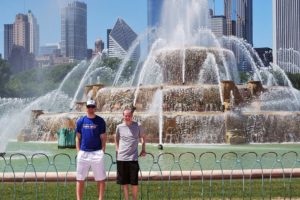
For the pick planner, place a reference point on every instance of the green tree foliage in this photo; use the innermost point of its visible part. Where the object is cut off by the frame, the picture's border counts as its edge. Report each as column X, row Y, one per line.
column 4, row 77
column 114, row 64
column 295, row 79
column 244, row 76
column 37, row 81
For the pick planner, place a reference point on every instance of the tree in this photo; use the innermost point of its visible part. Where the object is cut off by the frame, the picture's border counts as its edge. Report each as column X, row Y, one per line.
column 244, row 76
column 4, row 77
column 295, row 79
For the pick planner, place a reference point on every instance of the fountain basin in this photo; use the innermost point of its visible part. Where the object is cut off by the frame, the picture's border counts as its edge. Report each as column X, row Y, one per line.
column 187, row 127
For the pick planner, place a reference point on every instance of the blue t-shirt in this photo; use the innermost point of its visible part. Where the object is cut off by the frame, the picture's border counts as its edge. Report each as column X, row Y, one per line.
column 90, row 130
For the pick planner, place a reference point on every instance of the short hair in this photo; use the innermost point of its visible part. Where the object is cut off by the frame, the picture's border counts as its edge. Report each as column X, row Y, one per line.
column 129, row 109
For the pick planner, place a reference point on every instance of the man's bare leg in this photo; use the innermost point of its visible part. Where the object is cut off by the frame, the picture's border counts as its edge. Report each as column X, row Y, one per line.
column 101, row 189
column 135, row 190
column 79, row 189
column 126, row 193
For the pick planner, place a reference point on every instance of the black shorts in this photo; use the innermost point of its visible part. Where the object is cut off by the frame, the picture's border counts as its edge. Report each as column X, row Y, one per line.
column 128, row 172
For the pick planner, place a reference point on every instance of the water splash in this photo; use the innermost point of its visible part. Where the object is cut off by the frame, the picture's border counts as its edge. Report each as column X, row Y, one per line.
column 90, row 68
column 286, row 80
column 157, row 108
column 211, row 70
column 234, row 41
column 150, row 59
column 129, row 54
column 75, row 70
column 15, row 119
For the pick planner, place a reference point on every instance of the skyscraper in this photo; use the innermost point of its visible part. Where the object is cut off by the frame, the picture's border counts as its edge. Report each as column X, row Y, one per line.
column 239, row 12
column 154, row 9
column 107, row 37
column 154, row 12
column 99, row 46
column 121, row 38
column 21, row 32
column 34, row 36
column 74, row 30
column 286, row 34
column 21, row 42
column 230, row 15
column 218, row 25
column 8, row 40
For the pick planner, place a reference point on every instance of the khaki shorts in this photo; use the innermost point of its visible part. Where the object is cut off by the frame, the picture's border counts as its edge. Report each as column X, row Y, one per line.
column 87, row 160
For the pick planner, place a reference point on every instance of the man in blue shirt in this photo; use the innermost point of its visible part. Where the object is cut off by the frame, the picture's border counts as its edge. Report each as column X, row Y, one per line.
column 90, row 145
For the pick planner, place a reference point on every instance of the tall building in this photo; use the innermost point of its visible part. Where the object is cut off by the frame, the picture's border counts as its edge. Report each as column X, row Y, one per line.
column 99, row 46
column 121, row 38
column 218, row 25
column 239, row 12
column 21, row 42
column 107, row 37
column 49, row 49
column 230, row 15
column 8, row 40
column 34, row 36
column 154, row 12
column 21, row 32
column 265, row 54
column 74, row 30
column 286, row 34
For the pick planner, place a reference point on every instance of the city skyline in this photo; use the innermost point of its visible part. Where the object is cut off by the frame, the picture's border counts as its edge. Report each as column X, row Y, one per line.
column 101, row 17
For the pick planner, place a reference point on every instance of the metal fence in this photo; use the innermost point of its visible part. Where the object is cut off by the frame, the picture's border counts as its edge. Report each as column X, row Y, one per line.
column 165, row 176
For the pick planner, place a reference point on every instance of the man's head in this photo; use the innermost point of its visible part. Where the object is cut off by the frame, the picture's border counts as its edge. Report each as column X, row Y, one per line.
column 128, row 115
column 91, row 107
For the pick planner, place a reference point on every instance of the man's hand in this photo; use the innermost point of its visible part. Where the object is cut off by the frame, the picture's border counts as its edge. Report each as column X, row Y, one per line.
column 143, row 153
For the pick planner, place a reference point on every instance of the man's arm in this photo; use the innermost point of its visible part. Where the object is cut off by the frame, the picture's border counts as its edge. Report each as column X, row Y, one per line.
column 117, row 143
column 117, row 140
column 143, row 141
column 78, row 139
column 103, row 141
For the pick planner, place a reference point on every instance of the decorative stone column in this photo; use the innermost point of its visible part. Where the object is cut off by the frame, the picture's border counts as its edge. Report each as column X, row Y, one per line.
column 229, row 87
column 87, row 89
column 35, row 114
column 96, row 88
column 80, row 106
column 235, row 128
column 255, row 87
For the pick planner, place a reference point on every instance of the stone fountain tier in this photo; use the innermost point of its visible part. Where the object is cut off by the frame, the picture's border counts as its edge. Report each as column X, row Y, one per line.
column 185, row 127
column 191, row 59
column 185, row 98
column 175, row 98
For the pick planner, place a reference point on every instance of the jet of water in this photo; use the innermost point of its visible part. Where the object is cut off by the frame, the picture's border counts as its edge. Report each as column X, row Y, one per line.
column 135, row 44
column 90, row 68
column 76, row 69
column 157, row 108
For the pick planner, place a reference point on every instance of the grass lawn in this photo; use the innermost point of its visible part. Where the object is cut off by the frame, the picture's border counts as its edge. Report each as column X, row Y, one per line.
column 160, row 190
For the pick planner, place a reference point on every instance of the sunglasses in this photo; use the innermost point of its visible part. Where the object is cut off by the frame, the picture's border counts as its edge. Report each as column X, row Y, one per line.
column 91, row 106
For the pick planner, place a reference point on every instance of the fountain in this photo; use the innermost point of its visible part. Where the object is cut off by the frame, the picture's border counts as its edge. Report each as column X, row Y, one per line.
column 188, row 89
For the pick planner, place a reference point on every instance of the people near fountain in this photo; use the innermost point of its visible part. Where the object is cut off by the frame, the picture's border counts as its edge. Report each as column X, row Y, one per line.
column 127, row 137
column 90, row 145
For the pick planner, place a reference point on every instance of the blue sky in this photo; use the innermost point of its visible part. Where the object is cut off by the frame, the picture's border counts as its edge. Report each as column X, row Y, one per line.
column 102, row 14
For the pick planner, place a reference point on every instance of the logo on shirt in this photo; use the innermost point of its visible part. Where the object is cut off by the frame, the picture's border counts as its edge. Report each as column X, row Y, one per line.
column 89, row 126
